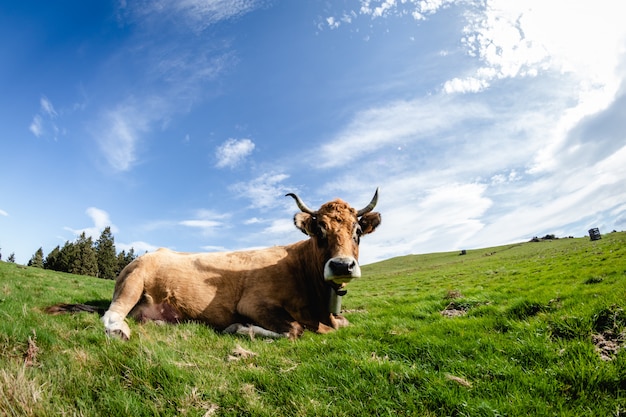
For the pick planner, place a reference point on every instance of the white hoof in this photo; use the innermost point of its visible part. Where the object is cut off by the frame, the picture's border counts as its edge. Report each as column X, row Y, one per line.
column 115, row 326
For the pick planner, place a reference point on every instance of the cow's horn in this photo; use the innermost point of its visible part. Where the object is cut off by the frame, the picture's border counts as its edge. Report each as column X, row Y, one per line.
column 370, row 206
column 300, row 204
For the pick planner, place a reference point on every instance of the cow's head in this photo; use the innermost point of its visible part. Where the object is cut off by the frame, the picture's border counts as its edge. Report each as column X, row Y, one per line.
column 337, row 229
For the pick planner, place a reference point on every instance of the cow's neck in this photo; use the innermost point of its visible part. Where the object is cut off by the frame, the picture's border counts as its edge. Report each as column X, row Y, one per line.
column 312, row 272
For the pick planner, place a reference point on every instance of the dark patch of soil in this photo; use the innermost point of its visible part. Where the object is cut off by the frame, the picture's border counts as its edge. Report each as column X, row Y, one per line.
column 608, row 344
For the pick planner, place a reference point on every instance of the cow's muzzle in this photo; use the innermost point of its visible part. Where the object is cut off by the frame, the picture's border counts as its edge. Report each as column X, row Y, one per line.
column 342, row 269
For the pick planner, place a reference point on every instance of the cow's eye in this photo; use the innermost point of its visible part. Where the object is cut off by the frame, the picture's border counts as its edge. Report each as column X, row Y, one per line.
column 356, row 236
column 321, row 230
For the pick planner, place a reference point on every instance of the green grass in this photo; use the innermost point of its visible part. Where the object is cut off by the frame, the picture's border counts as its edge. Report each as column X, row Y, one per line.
column 523, row 343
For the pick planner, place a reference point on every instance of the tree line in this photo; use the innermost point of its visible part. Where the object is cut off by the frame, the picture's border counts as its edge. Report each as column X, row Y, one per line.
column 86, row 257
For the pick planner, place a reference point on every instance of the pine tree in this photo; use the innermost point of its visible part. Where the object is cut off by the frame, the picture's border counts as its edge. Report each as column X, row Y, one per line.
column 124, row 259
column 84, row 261
column 105, row 254
column 130, row 256
column 36, row 261
column 66, row 257
column 121, row 262
column 53, row 260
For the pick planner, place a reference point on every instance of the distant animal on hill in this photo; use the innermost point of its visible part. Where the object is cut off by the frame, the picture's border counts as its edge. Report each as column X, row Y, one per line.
column 274, row 292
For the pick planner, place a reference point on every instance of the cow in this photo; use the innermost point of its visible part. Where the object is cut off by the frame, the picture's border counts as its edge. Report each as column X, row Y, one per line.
column 273, row 292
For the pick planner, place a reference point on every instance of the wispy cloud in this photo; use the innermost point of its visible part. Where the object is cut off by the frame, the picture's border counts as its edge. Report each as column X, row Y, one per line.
column 100, row 219
column 263, row 191
column 175, row 74
column 47, row 107
column 119, row 131
column 4, row 213
column 207, row 221
column 44, row 121
column 36, row 126
column 202, row 14
column 139, row 247
column 213, row 248
column 395, row 124
column 280, row 227
column 377, row 9
column 232, row 152
column 465, row 85
column 201, row 224
column 438, row 218
column 196, row 15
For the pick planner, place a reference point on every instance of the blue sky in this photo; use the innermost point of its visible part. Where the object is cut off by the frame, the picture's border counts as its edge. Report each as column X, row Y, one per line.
column 183, row 124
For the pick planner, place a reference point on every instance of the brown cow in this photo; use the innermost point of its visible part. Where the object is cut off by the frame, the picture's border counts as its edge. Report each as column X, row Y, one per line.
column 273, row 292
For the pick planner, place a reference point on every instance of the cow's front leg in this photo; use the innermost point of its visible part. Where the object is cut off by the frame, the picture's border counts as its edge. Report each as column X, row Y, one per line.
column 115, row 325
column 324, row 325
column 339, row 321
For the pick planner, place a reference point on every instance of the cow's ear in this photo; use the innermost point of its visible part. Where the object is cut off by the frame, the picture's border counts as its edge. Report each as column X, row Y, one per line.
column 369, row 222
column 304, row 222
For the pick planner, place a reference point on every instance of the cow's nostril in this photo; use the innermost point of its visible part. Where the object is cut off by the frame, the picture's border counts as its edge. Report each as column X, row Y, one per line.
column 342, row 266
column 338, row 267
column 342, row 269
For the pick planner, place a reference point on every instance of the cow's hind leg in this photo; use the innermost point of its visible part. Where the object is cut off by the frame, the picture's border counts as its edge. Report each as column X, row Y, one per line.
column 267, row 321
column 252, row 331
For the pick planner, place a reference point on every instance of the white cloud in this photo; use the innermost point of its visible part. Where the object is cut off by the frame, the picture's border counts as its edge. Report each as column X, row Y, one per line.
column 139, row 247
column 383, row 8
column 417, row 9
column 201, row 224
column 332, row 23
column 36, row 126
column 395, row 124
column 177, row 72
column 100, row 220
column 566, row 201
column 504, row 178
column 4, row 213
column 521, row 39
column 45, row 118
column 202, row 14
column 47, row 107
column 207, row 221
column 280, row 228
column 465, row 85
column 118, row 144
column 120, row 130
column 232, row 152
column 263, row 191
column 437, row 219
column 196, row 15
column 209, row 248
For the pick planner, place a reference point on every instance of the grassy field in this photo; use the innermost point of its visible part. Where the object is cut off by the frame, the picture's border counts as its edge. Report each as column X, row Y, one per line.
column 525, row 329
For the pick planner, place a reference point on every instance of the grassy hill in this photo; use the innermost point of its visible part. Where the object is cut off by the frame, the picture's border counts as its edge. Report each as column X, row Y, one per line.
column 524, row 329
